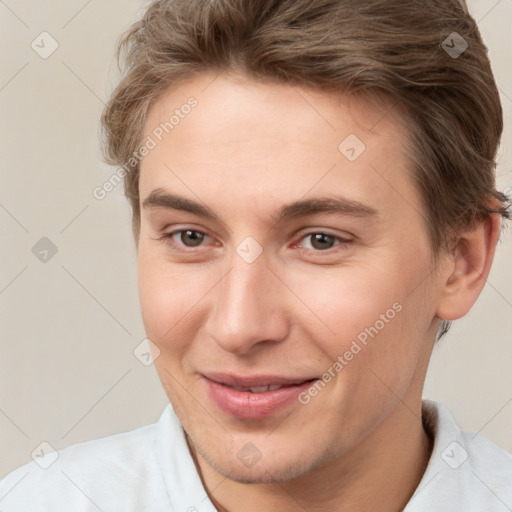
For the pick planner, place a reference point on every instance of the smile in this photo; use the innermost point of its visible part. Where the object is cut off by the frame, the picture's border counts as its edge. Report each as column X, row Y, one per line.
column 253, row 397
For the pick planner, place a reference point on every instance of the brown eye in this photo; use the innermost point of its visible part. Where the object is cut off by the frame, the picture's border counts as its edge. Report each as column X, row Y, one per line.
column 191, row 238
column 187, row 240
column 321, row 241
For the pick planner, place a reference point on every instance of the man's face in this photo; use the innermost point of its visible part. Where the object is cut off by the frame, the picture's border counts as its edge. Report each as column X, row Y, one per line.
column 337, row 306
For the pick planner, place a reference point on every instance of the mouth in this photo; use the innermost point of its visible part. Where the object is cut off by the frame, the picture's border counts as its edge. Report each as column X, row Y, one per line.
column 262, row 389
column 254, row 397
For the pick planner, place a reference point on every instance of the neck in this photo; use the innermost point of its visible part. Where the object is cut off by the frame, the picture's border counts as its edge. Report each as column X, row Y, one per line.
column 381, row 473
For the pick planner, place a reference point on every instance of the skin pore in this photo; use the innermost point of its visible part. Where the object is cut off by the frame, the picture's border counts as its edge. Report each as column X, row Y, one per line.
column 313, row 280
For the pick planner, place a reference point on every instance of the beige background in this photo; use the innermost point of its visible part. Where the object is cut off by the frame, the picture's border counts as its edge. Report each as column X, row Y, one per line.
column 69, row 326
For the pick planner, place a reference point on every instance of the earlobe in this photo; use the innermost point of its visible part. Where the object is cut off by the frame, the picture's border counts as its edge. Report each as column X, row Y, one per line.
column 468, row 267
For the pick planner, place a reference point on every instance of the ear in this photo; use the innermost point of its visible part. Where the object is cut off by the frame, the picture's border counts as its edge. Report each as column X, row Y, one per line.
column 468, row 267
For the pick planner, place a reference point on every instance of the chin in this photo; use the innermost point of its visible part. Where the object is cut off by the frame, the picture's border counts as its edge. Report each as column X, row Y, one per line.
column 269, row 469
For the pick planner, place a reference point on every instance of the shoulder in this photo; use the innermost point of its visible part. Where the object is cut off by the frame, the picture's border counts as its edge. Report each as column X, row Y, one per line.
column 471, row 452
column 490, row 465
column 466, row 471
column 87, row 475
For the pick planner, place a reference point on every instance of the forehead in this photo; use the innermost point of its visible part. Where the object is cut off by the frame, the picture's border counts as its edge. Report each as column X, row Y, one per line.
column 238, row 105
column 267, row 139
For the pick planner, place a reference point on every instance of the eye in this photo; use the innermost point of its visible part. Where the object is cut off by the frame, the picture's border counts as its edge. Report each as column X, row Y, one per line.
column 187, row 237
column 323, row 241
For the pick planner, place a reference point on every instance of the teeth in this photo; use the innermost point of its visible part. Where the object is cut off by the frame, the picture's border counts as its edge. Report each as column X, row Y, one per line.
column 259, row 389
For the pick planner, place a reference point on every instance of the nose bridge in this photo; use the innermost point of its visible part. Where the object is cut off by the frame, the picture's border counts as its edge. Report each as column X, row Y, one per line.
column 249, row 306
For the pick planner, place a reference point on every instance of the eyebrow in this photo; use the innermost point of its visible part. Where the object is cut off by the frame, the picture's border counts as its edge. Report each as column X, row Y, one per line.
column 158, row 198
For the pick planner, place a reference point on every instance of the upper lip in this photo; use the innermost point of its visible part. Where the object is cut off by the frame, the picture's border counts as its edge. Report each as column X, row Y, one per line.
column 253, row 381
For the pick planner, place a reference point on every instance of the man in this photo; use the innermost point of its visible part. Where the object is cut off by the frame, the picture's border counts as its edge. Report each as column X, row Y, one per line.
column 313, row 202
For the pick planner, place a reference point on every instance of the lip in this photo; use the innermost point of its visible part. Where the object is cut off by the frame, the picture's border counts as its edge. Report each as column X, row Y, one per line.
column 249, row 405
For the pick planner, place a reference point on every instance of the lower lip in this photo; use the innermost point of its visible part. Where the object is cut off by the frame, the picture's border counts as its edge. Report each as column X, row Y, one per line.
column 247, row 405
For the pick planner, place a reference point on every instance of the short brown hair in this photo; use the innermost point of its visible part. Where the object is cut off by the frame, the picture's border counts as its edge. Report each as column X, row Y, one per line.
column 389, row 47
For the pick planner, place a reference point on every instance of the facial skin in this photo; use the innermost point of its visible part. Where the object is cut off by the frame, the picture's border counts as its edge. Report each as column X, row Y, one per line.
column 244, row 152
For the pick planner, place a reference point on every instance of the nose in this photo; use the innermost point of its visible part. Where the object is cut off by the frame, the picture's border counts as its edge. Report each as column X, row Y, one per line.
column 248, row 307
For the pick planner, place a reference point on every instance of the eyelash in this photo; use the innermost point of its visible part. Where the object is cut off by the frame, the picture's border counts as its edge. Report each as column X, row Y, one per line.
column 340, row 240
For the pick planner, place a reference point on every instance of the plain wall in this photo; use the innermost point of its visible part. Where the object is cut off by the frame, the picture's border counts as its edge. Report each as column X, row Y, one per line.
column 69, row 325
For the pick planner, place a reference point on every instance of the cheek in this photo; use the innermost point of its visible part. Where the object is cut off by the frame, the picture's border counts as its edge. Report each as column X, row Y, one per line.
column 169, row 298
column 370, row 316
column 348, row 301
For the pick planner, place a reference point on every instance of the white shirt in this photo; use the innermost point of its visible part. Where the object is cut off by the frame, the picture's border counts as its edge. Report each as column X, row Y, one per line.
column 150, row 469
